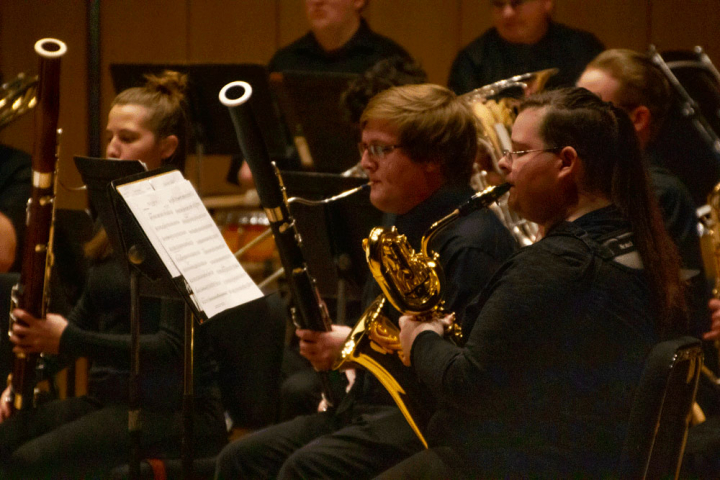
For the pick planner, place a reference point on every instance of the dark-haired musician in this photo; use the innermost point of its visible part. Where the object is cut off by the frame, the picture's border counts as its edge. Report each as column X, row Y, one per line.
column 523, row 39
column 418, row 145
column 86, row 436
column 557, row 341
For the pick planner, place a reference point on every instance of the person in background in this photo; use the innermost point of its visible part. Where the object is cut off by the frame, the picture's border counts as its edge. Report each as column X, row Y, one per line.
column 87, row 436
column 557, row 342
column 523, row 39
column 339, row 40
column 15, row 173
column 418, row 146
column 632, row 82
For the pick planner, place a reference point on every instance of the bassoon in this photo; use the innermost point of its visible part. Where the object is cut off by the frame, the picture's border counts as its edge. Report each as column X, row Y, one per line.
column 31, row 293
column 308, row 310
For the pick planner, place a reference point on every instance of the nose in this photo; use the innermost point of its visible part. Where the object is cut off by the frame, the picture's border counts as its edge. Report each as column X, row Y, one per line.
column 505, row 165
column 365, row 162
column 113, row 149
column 508, row 10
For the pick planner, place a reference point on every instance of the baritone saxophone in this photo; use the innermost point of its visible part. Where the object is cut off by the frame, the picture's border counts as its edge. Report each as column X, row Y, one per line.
column 413, row 282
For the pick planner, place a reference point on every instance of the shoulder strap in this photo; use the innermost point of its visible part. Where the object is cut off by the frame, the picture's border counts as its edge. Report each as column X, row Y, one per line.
column 618, row 246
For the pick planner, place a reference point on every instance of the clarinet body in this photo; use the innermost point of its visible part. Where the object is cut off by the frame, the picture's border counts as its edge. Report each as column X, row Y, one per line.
column 308, row 310
column 32, row 291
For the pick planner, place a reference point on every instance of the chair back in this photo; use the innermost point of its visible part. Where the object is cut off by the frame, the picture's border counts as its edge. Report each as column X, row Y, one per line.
column 661, row 410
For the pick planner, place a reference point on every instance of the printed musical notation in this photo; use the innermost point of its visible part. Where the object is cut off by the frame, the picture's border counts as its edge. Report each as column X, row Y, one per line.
column 188, row 242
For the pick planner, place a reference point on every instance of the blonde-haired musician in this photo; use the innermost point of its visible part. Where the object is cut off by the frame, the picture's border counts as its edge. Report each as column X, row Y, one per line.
column 418, row 145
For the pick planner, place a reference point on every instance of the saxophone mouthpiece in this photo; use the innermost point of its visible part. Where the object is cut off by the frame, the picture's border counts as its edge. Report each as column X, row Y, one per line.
column 484, row 198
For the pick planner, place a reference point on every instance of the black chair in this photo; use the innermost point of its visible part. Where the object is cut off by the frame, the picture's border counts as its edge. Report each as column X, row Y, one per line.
column 248, row 342
column 661, row 411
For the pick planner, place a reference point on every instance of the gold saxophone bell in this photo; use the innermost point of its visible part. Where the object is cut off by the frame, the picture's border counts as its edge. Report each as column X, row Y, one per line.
column 414, row 284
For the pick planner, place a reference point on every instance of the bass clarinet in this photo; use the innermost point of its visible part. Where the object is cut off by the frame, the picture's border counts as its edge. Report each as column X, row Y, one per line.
column 32, row 291
column 308, row 311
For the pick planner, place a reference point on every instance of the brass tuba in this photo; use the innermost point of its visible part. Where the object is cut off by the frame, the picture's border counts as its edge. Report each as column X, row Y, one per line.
column 495, row 119
column 17, row 97
column 413, row 283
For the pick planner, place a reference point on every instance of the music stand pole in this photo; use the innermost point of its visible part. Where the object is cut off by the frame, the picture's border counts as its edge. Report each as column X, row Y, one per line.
column 188, row 396
column 134, row 425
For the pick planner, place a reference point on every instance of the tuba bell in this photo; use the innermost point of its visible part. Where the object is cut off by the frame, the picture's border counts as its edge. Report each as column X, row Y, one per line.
column 17, row 97
column 495, row 117
column 414, row 284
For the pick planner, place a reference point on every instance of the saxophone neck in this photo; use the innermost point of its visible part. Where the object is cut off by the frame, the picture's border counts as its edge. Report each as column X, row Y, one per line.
column 479, row 200
column 436, row 228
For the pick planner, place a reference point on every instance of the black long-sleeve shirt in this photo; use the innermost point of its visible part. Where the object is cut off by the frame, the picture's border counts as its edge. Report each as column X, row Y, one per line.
column 546, row 379
column 99, row 328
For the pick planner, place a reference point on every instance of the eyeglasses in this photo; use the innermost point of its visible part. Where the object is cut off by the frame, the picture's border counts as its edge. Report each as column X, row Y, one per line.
column 514, row 4
column 512, row 156
column 376, row 150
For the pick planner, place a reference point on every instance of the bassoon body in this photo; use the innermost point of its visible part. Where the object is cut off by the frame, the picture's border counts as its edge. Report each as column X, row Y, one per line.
column 309, row 312
column 31, row 292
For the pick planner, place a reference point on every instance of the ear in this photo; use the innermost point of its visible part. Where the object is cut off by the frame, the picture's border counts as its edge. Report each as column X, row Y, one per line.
column 569, row 164
column 641, row 118
column 431, row 166
column 168, row 145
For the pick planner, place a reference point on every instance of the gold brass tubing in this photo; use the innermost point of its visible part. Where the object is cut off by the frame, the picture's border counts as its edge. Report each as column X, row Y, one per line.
column 253, row 242
column 276, row 274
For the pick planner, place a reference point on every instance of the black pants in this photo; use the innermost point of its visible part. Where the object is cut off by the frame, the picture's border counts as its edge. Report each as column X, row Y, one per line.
column 323, row 445
column 82, row 438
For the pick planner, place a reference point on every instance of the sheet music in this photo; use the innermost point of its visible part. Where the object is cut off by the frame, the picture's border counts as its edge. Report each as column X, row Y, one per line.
column 189, row 243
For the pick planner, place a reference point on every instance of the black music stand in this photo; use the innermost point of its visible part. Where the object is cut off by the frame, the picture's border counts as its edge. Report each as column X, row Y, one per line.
column 213, row 130
column 310, row 103
column 145, row 267
column 144, row 263
column 334, row 230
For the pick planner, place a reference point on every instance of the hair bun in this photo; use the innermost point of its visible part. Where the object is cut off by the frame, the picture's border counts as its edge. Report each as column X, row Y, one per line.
column 169, row 82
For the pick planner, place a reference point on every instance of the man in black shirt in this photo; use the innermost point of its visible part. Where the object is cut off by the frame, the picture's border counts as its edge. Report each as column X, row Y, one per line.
column 339, row 40
column 418, row 145
column 523, row 39
column 557, row 341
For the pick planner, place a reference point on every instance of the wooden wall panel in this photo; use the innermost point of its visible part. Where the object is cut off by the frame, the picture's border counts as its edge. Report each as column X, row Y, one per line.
column 683, row 24
column 23, row 23
column 615, row 23
column 292, row 22
column 474, row 20
column 231, row 32
column 428, row 30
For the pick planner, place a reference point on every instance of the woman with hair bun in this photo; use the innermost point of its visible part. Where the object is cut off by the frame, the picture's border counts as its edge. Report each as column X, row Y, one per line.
column 87, row 436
